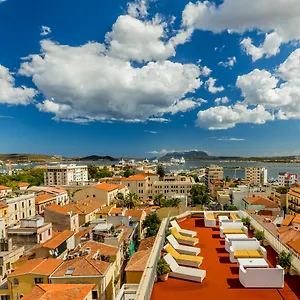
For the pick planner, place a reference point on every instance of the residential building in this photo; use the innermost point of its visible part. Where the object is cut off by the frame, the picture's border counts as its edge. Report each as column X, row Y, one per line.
column 293, row 200
column 57, row 246
column 213, row 172
column 286, row 179
column 261, row 204
column 104, row 211
column 85, row 208
column 30, row 232
column 256, row 175
column 4, row 190
column 223, row 197
column 215, row 185
column 280, row 197
column 136, row 216
column 65, row 174
column 62, row 218
column 23, row 186
column 20, row 207
column 9, row 254
column 92, row 263
column 34, row 271
column 42, row 200
column 4, row 211
column 104, row 192
column 61, row 291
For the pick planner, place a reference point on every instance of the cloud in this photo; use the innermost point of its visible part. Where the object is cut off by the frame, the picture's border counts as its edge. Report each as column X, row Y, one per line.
column 9, row 94
column 1, row 1
column 279, row 20
column 138, row 8
column 45, row 30
column 164, row 151
column 222, row 100
column 231, row 61
column 86, row 83
column 159, row 120
column 210, row 86
column 6, row 117
column 224, row 117
column 231, row 139
column 150, row 131
column 270, row 47
column 205, row 71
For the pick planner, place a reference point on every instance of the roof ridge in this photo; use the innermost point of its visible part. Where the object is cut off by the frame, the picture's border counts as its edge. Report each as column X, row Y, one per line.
column 95, row 267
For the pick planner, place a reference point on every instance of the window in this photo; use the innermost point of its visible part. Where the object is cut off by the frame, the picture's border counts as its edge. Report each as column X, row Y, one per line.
column 23, row 215
column 5, row 212
column 94, row 295
column 29, row 202
column 16, row 207
column 38, row 280
column 94, row 196
column 22, row 204
column 16, row 281
column 29, row 212
column 5, row 297
column 41, row 237
column 16, row 217
column 49, row 231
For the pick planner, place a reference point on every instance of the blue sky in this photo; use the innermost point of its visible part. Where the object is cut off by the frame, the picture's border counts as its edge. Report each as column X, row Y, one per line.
column 143, row 78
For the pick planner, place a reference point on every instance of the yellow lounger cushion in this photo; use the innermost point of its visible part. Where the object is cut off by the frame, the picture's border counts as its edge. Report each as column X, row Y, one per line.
column 233, row 231
column 172, row 251
column 255, row 254
column 210, row 216
column 241, row 254
column 234, row 217
column 197, row 259
column 179, row 236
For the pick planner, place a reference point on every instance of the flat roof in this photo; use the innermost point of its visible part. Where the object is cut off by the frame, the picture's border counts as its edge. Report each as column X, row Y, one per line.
column 222, row 276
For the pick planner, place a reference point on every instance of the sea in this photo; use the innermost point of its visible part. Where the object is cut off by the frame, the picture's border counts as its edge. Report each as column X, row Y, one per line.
column 233, row 169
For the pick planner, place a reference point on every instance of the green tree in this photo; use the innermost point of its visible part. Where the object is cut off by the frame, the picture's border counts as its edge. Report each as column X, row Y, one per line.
column 151, row 224
column 93, row 172
column 120, row 200
column 282, row 189
column 127, row 171
column 158, row 199
column 199, row 195
column 227, row 178
column 131, row 200
column 160, row 171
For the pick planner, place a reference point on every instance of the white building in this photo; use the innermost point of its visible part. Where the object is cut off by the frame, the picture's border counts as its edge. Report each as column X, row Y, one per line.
column 65, row 174
column 256, row 175
column 213, row 172
column 286, row 179
column 20, row 207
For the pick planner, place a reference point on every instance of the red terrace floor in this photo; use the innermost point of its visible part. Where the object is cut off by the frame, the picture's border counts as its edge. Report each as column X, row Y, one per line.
column 222, row 279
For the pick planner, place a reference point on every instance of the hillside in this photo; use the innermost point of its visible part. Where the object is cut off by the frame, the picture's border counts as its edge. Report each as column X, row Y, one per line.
column 96, row 158
column 28, row 157
column 188, row 155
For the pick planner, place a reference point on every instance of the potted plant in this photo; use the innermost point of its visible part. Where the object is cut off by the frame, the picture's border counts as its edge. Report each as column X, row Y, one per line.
column 246, row 221
column 259, row 235
column 285, row 260
column 162, row 270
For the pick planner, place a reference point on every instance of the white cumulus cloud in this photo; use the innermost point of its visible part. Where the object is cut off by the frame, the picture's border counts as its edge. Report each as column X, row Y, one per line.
column 231, row 61
column 210, row 86
column 138, row 8
column 222, row 100
column 45, row 30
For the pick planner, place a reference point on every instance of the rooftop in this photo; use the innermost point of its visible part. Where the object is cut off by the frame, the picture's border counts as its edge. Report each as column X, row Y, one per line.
column 43, row 197
column 58, row 239
column 221, row 281
column 137, row 177
column 38, row 266
column 107, row 186
column 134, row 213
column 59, row 292
column 59, row 209
column 261, row 201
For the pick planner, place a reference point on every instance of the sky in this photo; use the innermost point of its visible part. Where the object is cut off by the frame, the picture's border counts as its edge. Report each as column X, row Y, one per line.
column 148, row 77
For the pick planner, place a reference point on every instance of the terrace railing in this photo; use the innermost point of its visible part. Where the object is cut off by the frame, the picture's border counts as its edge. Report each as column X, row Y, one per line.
column 146, row 284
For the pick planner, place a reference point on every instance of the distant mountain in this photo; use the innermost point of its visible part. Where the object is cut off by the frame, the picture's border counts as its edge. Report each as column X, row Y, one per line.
column 25, row 157
column 96, row 158
column 188, row 155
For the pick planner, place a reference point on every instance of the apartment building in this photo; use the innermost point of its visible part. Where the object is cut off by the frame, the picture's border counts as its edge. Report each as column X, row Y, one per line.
column 20, row 207
column 147, row 185
column 65, row 174
column 260, row 203
column 4, row 190
column 286, row 179
column 256, row 175
column 58, row 193
column 293, row 201
column 104, row 192
column 213, row 172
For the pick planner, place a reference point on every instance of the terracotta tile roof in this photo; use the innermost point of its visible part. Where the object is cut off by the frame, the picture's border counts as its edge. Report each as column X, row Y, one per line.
column 116, row 210
column 56, row 241
column 138, row 261
column 38, row 266
column 134, row 213
column 43, row 197
column 105, row 209
column 86, row 265
column 84, row 206
column 83, row 232
column 261, row 201
column 296, row 219
column 127, row 231
column 147, row 243
column 295, row 189
column 295, row 245
column 137, row 177
column 23, row 184
column 289, row 235
column 58, row 209
column 106, row 186
column 3, row 204
column 288, row 220
column 59, row 292
column 4, row 188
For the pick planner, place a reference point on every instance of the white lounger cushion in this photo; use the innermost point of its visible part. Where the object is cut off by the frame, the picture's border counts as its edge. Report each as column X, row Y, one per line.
column 184, row 272
column 183, row 231
column 181, row 248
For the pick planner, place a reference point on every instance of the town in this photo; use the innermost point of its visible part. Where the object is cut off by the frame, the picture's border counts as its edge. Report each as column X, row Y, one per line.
column 99, row 231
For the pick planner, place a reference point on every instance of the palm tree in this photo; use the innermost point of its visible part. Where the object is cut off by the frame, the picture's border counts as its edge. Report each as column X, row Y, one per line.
column 131, row 200
column 158, row 199
column 120, row 200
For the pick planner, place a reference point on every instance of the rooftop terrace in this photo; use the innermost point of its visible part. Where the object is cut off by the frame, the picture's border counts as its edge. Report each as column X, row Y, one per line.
column 222, row 276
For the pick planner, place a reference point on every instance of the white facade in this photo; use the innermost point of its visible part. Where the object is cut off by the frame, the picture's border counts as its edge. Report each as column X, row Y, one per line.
column 65, row 174
column 213, row 172
column 256, row 175
column 286, row 179
column 20, row 207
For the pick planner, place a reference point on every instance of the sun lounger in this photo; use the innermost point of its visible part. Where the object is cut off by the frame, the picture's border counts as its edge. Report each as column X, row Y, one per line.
column 182, row 239
column 183, row 259
column 181, row 248
column 190, row 233
column 184, row 272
